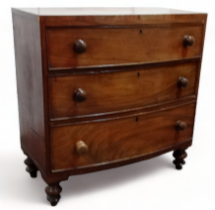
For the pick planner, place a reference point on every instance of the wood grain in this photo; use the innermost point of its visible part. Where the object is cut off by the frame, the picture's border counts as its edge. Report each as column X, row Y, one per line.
column 125, row 20
column 119, row 91
column 30, row 89
column 109, row 46
column 119, row 139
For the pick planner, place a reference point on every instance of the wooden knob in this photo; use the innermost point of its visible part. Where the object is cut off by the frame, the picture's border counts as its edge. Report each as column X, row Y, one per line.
column 180, row 125
column 81, row 148
column 80, row 95
column 188, row 40
column 183, row 82
column 80, row 46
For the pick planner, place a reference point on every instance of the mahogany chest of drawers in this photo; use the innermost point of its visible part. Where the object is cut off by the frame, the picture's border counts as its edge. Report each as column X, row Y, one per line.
column 101, row 88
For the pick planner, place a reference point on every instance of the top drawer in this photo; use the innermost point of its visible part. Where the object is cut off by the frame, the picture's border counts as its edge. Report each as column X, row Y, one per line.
column 117, row 46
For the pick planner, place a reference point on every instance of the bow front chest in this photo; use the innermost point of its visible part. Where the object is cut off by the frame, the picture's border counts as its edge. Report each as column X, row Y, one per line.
column 103, row 87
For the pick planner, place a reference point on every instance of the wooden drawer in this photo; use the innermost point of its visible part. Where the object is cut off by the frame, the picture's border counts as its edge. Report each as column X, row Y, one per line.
column 119, row 139
column 119, row 91
column 117, row 46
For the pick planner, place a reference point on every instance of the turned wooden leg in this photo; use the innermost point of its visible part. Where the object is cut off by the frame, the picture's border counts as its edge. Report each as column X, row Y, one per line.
column 179, row 156
column 31, row 168
column 53, row 193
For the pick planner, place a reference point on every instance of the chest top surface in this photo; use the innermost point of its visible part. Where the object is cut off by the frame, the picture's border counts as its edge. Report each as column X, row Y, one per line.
column 81, row 11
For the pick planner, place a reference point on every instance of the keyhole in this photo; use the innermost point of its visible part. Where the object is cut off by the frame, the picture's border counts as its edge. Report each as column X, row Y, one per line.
column 140, row 32
column 137, row 119
column 138, row 74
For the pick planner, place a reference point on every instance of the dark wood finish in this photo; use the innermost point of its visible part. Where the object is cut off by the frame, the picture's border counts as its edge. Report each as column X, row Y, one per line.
column 80, row 46
column 113, row 164
column 108, row 46
column 180, row 125
column 53, row 193
column 127, row 20
column 151, row 109
column 136, row 70
column 30, row 89
column 183, row 82
column 31, row 168
column 119, row 139
column 80, row 95
column 119, row 91
column 179, row 156
column 188, row 40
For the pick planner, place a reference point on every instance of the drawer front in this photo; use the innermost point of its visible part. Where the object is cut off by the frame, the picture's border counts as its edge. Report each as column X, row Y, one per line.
column 114, row 92
column 119, row 139
column 106, row 46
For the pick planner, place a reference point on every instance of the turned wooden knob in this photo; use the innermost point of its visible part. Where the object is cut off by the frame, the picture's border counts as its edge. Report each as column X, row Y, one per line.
column 183, row 82
column 81, row 148
column 188, row 40
column 180, row 125
column 80, row 95
column 80, row 46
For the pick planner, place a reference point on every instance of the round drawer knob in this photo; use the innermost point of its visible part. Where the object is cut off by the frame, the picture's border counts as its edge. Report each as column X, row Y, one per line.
column 80, row 46
column 80, row 95
column 180, row 125
column 188, row 40
column 81, row 148
column 183, row 82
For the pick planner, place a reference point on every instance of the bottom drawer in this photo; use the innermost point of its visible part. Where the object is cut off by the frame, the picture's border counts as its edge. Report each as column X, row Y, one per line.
column 119, row 139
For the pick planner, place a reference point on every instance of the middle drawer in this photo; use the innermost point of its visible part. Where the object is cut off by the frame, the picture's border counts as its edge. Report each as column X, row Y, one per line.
column 103, row 93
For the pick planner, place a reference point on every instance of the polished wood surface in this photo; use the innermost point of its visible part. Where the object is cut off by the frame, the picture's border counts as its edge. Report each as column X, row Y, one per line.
column 122, row 20
column 81, row 148
column 183, row 82
column 119, row 139
column 118, row 91
column 181, row 125
column 80, row 46
column 101, row 88
column 30, row 89
column 188, row 40
column 108, row 46
column 53, row 193
column 80, row 95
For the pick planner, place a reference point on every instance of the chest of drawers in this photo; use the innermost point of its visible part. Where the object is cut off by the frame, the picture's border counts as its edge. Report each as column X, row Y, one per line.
column 101, row 88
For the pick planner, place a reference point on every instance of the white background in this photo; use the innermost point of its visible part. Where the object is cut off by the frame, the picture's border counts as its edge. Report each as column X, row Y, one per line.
column 153, row 184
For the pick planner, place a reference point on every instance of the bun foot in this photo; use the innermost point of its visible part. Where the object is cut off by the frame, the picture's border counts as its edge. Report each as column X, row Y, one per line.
column 179, row 156
column 53, row 193
column 31, row 168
